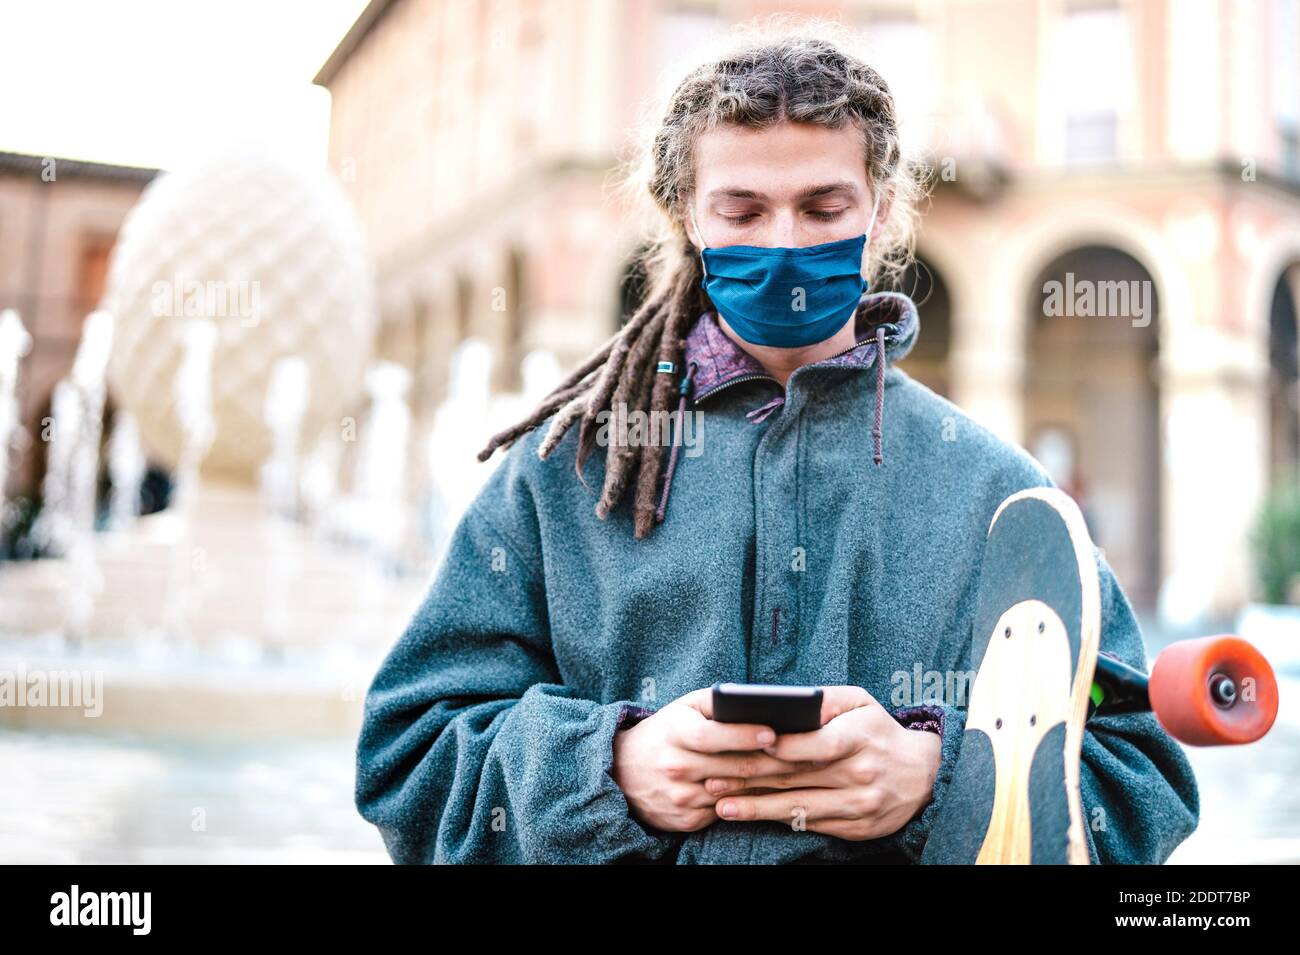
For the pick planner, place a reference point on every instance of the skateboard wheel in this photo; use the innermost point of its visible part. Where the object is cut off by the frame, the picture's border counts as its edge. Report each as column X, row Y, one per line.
column 1213, row 691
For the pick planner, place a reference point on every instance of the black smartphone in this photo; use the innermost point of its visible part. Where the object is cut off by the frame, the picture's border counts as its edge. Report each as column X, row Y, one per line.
column 787, row 709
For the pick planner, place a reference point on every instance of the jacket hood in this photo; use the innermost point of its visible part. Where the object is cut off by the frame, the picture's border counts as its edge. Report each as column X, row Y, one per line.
column 893, row 308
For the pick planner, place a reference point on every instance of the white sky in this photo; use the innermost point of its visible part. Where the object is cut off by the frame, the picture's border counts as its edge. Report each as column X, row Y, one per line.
column 158, row 82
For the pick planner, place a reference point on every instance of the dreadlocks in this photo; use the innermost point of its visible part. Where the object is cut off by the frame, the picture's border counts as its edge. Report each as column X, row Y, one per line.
column 798, row 77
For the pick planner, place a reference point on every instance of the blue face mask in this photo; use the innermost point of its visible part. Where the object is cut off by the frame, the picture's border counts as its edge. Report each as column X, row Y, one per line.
column 786, row 297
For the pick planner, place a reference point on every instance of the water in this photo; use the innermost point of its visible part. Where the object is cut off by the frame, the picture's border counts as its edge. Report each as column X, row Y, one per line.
column 126, row 470
column 129, row 799
column 14, row 344
column 287, row 396
column 380, row 478
column 73, row 482
column 53, row 529
column 465, row 421
column 104, row 795
column 192, row 390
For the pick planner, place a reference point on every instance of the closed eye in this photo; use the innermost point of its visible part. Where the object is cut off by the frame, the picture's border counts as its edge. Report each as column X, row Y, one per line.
column 819, row 214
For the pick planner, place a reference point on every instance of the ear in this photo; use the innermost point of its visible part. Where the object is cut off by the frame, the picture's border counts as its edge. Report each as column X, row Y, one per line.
column 882, row 217
column 685, row 219
column 691, row 237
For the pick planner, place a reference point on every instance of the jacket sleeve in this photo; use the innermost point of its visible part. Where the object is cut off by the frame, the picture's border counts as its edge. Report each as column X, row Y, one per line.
column 949, row 721
column 472, row 748
column 1139, row 796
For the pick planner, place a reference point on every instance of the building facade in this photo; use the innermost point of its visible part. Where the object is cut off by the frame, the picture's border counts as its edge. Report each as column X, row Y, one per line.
column 1108, row 268
column 59, row 219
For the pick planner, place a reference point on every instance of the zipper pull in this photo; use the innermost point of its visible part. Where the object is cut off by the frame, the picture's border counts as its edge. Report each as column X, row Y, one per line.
column 684, row 388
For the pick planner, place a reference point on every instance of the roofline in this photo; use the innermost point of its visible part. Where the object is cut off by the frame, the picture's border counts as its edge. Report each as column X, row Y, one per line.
column 356, row 35
column 23, row 163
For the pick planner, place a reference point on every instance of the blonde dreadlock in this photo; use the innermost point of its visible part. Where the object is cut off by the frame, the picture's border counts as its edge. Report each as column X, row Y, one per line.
column 797, row 76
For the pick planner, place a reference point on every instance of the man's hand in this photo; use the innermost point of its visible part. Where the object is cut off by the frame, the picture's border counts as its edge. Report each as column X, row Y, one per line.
column 661, row 763
column 875, row 774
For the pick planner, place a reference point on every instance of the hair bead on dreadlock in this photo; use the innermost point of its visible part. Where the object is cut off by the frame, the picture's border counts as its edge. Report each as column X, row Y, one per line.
column 637, row 380
column 799, row 75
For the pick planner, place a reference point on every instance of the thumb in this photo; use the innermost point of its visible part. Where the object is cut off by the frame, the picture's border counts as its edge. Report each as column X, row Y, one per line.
column 700, row 700
column 837, row 700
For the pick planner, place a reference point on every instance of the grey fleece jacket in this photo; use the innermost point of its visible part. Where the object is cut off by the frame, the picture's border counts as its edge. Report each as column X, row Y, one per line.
column 786, row 556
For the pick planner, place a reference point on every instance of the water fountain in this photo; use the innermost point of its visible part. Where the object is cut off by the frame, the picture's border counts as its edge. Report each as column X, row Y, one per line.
column 225, row 613
column 234, row 632
column 463, row 423
column 66, row 525
column 126, row 470
column 381, row 515
column 87, row 379
column 318, row 486
column 457, row 434
column 14, row 344
column 192, row 390
column 286, row 403
column 541, row 373
column 53, row 528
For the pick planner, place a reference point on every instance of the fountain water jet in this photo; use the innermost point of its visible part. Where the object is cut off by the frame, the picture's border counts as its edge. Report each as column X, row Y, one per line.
column 14, row 344
column 193, row 396
column 380, row 485
column 126, row 467
column 287, row 396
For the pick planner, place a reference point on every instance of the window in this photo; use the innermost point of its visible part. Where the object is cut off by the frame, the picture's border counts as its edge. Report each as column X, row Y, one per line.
column 1094, row 80
column 92, row 272
column 1286, row 82
column 901, row 50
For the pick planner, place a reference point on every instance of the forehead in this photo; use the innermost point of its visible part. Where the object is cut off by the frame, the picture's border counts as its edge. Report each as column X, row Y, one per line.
column 779, row 161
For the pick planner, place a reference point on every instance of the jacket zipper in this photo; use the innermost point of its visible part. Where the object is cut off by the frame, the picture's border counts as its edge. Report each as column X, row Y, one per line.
column 893, row 333
column 736, row 381
column 776, row 611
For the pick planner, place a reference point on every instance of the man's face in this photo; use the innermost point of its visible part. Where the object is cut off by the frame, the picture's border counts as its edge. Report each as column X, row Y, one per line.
column 789, row 185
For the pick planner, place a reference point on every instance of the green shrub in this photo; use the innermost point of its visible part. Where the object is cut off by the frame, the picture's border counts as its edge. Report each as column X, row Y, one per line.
column 1276, row 543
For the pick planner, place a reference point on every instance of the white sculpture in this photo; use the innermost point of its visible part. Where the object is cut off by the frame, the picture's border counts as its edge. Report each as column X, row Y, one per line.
column 271, row 254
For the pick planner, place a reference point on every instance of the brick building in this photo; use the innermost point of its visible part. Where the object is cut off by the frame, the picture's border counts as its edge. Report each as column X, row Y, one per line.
column 59, row 219
column 1135, row 144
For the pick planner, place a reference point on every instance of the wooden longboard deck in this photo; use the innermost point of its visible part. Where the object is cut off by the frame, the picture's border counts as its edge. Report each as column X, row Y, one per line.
column 1014, row 794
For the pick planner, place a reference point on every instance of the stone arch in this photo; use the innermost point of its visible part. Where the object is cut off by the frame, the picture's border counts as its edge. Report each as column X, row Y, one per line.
column 1284, row 376
column 1091, row 400
column 1064, row 226
column 927, row 284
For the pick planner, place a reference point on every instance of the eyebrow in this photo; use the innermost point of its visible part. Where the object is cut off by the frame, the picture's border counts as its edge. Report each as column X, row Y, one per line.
column 814, row 192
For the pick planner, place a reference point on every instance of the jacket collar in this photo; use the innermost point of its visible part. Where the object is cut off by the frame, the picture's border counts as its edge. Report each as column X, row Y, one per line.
column 719, row 361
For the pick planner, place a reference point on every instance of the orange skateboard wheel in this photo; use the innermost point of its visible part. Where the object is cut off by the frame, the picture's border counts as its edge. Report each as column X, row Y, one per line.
column 1213, row 691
